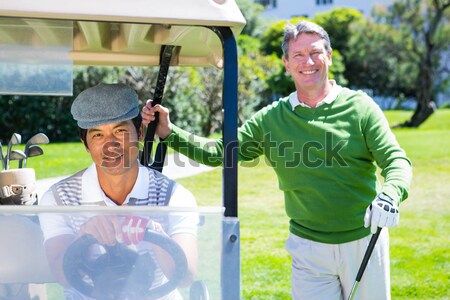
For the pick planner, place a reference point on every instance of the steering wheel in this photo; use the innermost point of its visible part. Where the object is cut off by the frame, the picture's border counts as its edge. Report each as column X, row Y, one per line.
column 119, row 272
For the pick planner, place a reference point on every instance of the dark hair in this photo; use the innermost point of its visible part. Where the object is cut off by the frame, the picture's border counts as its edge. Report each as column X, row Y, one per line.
column 137, row 121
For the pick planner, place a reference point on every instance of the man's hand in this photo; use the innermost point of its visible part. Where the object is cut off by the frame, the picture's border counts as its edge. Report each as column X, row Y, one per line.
column 382, row 212
column 164, row 128
column 106, row 230
column 109, row 230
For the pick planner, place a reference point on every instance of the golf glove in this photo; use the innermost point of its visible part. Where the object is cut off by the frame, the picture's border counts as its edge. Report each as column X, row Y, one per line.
column 382, row 212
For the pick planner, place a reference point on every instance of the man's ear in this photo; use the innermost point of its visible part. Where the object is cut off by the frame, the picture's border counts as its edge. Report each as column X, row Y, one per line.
column 141, row 132
column 286, row 63
column 330, row 60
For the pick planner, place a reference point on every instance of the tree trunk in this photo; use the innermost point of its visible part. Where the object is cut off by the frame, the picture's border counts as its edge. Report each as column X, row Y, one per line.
column 425, row 82
column 422, row 112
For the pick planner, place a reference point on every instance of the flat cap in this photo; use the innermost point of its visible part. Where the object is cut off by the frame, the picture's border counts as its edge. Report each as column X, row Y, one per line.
column 103, row 104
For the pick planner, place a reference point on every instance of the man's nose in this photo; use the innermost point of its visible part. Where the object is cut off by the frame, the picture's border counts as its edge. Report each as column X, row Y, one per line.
column 309, row 59
column 112, row 138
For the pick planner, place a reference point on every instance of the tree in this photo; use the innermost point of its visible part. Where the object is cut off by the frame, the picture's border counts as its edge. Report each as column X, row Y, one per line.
column 377, row 61
column 427, row 23
column 254, row 70
column 337, row 23
column 180, row 93
column 252, row 14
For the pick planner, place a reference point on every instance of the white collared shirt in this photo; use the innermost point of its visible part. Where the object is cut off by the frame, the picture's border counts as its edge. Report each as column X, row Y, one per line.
column 335, row 90
column 92, row 191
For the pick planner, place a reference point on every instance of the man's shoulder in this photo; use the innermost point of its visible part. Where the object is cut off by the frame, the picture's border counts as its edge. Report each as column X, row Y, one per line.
column 348, row 93
column 276, row 106
column 356, row 98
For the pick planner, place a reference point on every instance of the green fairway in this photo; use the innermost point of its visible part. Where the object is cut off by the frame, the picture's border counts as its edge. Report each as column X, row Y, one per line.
column 419, row 246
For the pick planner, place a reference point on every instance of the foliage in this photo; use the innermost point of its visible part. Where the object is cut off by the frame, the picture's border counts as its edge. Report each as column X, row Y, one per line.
column 179, row 93
column 337, row 23
column 273, row 36
column 254, row 70
column 28, row 115
column 377, row 60
column 414, row 45
column 402, row 53
column 252, row 14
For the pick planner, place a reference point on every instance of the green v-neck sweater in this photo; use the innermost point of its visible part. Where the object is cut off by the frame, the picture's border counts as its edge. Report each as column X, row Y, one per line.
column 325, row 159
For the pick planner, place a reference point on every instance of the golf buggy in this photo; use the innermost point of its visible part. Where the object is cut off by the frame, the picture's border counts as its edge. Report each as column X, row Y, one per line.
column 40, row 41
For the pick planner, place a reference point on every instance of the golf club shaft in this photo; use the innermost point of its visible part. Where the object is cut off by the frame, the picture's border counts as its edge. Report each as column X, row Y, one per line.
column 373, row 241
column 1, row 156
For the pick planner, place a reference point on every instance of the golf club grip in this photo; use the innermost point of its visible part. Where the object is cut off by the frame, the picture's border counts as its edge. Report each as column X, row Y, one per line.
column 369, row 251
column 160, row 154
column 166, row 56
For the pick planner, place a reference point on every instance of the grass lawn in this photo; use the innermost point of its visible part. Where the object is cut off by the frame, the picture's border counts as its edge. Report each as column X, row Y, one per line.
column 419, row 246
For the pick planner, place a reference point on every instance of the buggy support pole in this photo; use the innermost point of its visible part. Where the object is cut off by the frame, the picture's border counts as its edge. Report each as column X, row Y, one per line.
column 364, row 262
column 166, row 57
column 231, row 239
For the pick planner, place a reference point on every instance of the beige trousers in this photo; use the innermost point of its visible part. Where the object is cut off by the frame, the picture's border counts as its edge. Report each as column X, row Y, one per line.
column 327, row 271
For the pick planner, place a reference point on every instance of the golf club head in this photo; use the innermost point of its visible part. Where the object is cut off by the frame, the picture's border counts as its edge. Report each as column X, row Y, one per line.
column 15, row 139
column 38, row 138
column 35, row 150
column 17, row 155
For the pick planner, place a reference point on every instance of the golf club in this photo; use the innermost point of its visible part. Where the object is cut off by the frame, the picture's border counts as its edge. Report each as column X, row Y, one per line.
column 364, row 262
column 1, row 156
column 38, row 138
column 16, row 155
column 33, row 150
column 15, row 140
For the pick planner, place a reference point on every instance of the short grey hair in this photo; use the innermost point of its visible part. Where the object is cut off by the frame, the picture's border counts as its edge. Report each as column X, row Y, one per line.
column 291, row 32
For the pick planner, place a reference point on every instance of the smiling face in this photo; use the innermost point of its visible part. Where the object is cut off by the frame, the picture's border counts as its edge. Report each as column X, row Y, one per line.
column 308, row 62
column 113, row 147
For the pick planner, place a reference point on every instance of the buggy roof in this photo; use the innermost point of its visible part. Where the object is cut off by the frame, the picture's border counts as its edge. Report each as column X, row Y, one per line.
column 123, row 32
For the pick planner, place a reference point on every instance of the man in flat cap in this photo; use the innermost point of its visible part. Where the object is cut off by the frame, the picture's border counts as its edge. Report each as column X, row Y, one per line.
column 110, row 128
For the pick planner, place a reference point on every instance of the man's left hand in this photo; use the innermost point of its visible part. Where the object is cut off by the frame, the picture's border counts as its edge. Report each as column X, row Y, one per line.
column 382, row 212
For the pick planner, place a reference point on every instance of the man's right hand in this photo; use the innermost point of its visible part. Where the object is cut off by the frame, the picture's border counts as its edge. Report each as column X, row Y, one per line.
column 106, row 230
column 164, row 128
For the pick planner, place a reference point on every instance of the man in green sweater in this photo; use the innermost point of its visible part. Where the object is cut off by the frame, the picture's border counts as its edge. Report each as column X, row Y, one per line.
column 324, row 142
